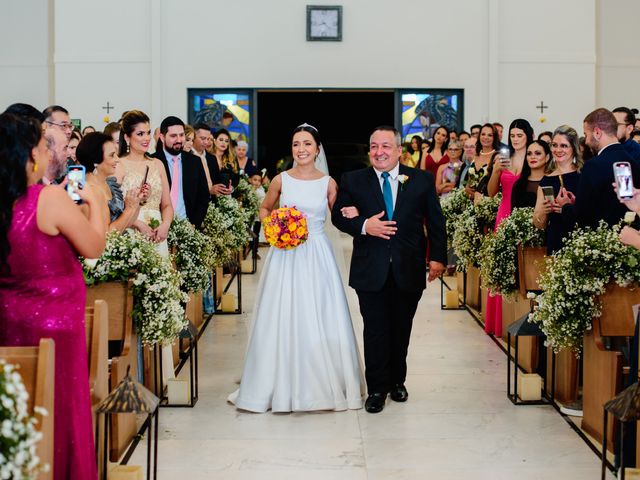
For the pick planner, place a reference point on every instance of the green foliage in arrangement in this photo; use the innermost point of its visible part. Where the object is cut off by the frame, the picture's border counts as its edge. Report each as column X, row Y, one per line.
column 157, row 308
column 471, row 227
column 452, row 207
column 498, row 252
column 193, row 254
column 226, row 225
column 575, row 276
column 248, row 198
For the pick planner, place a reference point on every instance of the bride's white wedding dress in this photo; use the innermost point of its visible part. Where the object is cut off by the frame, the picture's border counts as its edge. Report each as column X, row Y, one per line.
column 302, row 353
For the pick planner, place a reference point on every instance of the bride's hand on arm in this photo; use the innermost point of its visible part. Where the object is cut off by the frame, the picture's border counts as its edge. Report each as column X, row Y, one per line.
column 271, row 197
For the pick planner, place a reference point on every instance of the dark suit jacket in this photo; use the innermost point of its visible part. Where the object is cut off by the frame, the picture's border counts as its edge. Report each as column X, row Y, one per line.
column 194, row 186
column 405, row 253
column 595, row 198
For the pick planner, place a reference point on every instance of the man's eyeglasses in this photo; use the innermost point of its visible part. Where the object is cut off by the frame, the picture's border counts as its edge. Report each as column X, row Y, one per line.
column 62, row 125
column 623, row 124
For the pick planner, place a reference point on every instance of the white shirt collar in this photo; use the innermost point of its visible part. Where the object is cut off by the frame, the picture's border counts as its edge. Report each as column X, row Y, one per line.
column 602, row 149
column 393, row 173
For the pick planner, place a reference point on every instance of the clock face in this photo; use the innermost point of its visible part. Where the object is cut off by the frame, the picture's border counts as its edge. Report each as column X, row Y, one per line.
column 324, row 23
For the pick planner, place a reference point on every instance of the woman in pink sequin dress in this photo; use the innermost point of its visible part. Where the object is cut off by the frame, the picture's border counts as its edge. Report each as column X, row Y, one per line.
column 42, row 291
column 503, row 176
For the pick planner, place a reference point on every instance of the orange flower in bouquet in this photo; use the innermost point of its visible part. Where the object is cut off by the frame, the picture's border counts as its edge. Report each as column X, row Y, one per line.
column 286, row 228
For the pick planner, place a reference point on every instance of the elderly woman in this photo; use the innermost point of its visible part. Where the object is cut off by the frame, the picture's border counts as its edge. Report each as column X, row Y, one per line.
column 97, row 152
column 448, row 173
column 246, row 164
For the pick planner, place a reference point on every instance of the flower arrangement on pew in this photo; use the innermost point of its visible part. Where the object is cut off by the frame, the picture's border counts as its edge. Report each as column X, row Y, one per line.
column 18, row 458
column 499, row 250
column 226, row 225
column 286, row 228
column 193, row 254
column 248, row 199
column 157, row 299
column 575, row 276
column 452, row 207
column 471, row 228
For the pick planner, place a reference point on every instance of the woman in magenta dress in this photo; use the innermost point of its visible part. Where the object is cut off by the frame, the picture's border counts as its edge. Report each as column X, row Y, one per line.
column 42, row 291
column 503, row 176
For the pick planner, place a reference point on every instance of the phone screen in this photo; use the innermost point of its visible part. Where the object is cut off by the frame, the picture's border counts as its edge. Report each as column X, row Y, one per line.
column 624, row 179
column 548, row 193
column 75, row 181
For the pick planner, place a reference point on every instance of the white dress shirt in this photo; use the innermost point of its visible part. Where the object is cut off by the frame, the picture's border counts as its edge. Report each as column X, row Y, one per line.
column 393, row 181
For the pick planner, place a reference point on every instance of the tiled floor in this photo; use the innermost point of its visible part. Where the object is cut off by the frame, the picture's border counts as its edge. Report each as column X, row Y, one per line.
column 457, row 424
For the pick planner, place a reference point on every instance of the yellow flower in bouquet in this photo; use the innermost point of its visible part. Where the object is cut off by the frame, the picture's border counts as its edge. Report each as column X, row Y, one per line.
column 286, row 228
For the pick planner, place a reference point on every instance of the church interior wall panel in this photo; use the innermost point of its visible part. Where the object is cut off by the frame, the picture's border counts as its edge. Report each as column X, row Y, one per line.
column 618, row 72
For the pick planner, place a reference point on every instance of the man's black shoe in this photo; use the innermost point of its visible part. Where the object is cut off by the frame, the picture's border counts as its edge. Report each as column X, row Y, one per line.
column 375, row 402
column 399, row 393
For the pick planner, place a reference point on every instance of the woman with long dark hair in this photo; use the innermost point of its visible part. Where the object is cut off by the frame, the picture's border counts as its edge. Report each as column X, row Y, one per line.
column 525, row 190
column 42, row 290
column 437, row 152
column 302, row 353
column 139, row 169
column 506, row 170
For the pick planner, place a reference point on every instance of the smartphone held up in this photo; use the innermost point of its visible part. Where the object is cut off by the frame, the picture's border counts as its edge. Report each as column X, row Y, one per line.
column 624, row 180
column 76, row 178
column 505, row 157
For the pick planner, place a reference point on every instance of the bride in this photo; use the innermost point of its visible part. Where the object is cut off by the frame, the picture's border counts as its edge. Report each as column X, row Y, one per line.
column 302, row 353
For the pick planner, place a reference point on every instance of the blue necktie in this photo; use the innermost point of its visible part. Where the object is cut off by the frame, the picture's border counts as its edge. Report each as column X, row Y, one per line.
column 388, row 196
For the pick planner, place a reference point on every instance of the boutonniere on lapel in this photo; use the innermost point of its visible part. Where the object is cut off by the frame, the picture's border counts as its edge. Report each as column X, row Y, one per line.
column 403, row 179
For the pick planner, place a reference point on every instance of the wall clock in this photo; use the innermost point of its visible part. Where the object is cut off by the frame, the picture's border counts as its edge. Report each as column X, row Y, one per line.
column 324, row 23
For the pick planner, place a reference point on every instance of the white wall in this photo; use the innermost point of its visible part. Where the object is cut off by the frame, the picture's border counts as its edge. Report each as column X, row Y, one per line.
column 508, row 55
column 24, row 55
column 618, row 70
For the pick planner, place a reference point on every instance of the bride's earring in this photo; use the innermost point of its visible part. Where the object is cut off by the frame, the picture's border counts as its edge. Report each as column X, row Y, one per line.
column 128, row 147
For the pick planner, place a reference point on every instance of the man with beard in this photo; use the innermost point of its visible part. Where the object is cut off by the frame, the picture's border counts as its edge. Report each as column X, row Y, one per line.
column 57, row 118
column 626, row 124
column 189, row 191
column 595, row 198
column 57, row 143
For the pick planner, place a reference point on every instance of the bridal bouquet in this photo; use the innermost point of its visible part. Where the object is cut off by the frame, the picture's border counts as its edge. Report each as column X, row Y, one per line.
column 286, row 228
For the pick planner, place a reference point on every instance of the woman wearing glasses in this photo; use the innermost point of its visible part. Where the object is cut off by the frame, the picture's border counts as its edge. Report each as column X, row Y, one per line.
column 448, row 173
column 564, row 176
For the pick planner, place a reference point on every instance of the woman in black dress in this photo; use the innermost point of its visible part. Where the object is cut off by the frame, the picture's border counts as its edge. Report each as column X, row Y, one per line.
column 525, row 190
column 563, row 176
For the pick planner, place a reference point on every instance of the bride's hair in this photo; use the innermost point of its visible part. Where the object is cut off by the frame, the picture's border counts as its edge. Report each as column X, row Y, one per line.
column 305, row 127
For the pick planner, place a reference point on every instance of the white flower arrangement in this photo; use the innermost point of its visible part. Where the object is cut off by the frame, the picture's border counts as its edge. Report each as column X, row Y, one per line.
column 18, row 434
column 498, row 252
column 575, row 276
column 158, row 313
column 452, row 206
column 193, row 254
column 226, row 225
column 248, row 198
column 471, row 228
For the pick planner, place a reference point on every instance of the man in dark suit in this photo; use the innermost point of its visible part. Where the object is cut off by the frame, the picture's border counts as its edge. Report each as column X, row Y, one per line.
column 202, row 142
column 388, row 265
column 626, row 124
column 595, row 198
column 189, row 196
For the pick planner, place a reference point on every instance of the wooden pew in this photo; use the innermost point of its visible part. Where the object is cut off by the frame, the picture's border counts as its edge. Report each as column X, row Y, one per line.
column 602, row 379
column 97, row 326
column 119, row 298
column 37, row 369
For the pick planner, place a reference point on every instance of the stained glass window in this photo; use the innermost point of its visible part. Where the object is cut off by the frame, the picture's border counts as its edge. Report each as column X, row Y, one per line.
column 423, row 111
column 222, row 109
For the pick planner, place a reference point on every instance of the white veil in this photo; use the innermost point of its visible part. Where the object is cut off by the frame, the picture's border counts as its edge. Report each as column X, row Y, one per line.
column 321, row 161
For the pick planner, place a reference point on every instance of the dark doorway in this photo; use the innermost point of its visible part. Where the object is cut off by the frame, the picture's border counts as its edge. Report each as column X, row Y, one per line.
column 344, row 119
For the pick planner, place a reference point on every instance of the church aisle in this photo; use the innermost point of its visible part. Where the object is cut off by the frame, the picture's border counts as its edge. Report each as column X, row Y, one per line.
column 457, row 423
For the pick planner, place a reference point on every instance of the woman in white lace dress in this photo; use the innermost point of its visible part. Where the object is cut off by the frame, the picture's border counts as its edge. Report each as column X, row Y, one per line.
column 156, row 214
